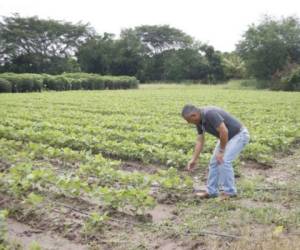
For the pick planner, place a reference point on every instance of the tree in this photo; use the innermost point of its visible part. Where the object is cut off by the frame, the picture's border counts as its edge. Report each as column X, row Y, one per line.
column 129, row 54
column 215, row 69
column 233, row 65
column 270, row 46
column 96, row 54
column 158, row 38
column 31, row 44
column 184, row 64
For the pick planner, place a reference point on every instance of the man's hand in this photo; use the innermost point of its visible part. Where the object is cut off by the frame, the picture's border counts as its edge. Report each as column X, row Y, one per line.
column 191, row 165
column 219, row 157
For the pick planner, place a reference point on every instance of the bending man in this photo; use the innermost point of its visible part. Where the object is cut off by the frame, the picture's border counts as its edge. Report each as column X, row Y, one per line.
column 233, row 137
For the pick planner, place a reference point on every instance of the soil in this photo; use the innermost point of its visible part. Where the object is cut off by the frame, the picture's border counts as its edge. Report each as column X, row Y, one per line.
column 26, row 235
column 132, row 166
column 162, row 212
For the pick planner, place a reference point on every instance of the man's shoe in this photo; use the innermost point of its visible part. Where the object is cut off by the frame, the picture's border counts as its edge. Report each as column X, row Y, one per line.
column 225, row 196
column 202, row 195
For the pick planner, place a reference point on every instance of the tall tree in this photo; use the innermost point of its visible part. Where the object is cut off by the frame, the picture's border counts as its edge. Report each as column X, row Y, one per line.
column 96, row 54
column 233, row 65
column 128, row 54
column 270, row 45
column 30, row 44
column 215, row 68
column 158, row 38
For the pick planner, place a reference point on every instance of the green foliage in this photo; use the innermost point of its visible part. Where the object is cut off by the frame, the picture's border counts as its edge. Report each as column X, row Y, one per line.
column 5, row 85
column 58, row 83
column 95, row 222
column 94, row 81
column 215, row 69
column 158, row 38
column 147, row 52
column 3, row 226
column 256, row 83
column 268, row 47
column 153, row 134
column 24, row 82
column 34, row 199
column 34, row 45
column 234, row 66
column 68, row 81
column 97, row 54
column 288, row 79
column 35, row 246
column 151, row 53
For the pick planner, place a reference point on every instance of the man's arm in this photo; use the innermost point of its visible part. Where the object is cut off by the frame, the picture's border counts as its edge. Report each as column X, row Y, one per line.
column 223, row 132
column 198, row 148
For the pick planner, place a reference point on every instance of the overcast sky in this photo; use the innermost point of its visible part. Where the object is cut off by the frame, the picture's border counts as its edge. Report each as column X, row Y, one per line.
column 217, row 22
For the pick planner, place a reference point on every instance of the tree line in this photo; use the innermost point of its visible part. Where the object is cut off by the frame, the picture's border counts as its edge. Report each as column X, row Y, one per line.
column 268, row 52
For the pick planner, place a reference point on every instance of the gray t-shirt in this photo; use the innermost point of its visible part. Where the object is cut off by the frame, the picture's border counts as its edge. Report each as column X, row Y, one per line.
column 212, row 117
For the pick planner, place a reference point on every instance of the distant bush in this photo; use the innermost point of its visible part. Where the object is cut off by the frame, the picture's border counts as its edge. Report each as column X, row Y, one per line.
column 256, row 83
column 76, row 84
column 5, row 85
column 58, row 83
column 287, row 79
column 69, row 81
column 94, row 81
column 24, row 82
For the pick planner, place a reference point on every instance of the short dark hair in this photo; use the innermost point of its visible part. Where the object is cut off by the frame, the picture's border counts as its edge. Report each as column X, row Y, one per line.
column 187, row 109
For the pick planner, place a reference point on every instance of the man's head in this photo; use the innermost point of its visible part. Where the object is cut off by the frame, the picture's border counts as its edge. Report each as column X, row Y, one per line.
column 191, row 114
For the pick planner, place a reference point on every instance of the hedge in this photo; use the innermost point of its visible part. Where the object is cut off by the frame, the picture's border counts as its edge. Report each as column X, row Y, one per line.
column 11, row 82
column 5, row 85
column 94, row 81
column 23, row 82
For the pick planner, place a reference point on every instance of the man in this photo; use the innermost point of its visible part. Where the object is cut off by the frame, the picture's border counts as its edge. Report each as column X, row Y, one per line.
column 233, row 137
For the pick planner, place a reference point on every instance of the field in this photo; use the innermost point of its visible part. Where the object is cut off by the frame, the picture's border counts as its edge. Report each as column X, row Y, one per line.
column 105, row 170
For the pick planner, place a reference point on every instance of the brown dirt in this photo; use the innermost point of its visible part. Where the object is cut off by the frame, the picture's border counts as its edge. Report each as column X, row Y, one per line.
column 132, row 166
column 286, row 168
column 26, row 235
column 162, row 212
column 257, row 165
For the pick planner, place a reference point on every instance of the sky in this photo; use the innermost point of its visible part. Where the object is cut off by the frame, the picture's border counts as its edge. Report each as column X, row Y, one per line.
column 220, row 23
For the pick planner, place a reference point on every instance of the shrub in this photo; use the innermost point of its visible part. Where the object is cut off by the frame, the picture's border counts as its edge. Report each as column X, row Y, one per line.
column 57, row 83
column 5, row 85
column 257, row 83
column 288, row 79
column 95, row 81
column 67, row 81
column 98, row 82
column 24, row 82
column 75, row 83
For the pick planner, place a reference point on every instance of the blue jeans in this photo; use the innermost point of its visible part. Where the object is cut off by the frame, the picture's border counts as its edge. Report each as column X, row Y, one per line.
column 223, row 173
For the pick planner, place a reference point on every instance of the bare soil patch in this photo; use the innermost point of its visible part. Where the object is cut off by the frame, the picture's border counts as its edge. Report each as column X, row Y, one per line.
column 26, row 235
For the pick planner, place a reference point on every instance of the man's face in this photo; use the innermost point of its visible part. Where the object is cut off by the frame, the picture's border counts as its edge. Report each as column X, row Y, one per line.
column 193, row 117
